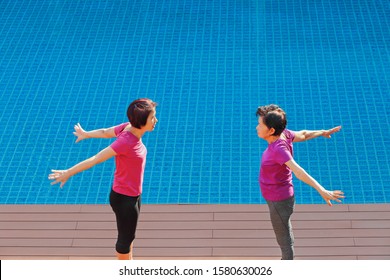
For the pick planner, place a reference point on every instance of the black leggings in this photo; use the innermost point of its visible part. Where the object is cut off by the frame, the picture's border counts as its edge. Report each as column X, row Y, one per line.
column 126, row 209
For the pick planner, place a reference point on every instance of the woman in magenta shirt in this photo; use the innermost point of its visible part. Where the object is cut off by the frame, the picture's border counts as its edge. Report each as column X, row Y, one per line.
column 130, row 159
column 277, row 166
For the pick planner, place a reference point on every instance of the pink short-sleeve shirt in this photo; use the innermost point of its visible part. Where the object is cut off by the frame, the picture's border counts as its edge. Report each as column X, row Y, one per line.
column 130, row 162
column 275, row 177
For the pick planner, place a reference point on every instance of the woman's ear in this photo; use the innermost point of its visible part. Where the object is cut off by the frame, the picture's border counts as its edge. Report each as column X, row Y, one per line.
column 271, row 131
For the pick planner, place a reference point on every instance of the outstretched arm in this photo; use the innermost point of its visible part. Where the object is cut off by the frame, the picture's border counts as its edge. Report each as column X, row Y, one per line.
column 302, row 175
column 61, row 176
column 305, row 135
column 81, row 134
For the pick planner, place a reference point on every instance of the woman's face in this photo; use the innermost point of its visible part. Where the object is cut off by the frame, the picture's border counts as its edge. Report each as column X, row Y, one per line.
column 262, row 129
column 151, row 121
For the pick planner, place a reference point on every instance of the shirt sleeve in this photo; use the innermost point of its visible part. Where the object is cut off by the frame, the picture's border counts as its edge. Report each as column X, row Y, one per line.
column 119, row 128
column 290, row 135
column 119, row 145
column 282, row 153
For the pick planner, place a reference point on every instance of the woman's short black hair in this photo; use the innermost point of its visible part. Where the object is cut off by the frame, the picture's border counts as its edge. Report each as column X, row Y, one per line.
column 273, row 117
column 139, row 111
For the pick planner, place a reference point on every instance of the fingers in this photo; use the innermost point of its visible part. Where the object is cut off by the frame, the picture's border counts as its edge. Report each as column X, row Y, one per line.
column 57, row 177
column 333, row 130
column 336, row 129
column 78, row 127
column 58, row 181
column 333, row 195
column 59, row 172
column 337, row 194
column 78, row 132
column 54, row 177
column 62, row 181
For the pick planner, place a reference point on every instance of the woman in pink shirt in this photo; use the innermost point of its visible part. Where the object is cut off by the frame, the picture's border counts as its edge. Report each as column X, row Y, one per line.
column 130, row 158
column 277, row 166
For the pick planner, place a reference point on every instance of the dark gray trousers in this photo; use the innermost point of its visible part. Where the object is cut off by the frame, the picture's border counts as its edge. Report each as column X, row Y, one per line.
column 280, row 213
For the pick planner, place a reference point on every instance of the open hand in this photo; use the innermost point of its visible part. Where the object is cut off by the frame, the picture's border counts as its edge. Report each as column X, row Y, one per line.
column 328, row 196
column 329, row 132
column 59, row 176
column 79, row 132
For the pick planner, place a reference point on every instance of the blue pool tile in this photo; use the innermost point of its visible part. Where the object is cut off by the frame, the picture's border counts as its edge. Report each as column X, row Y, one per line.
column 209, row 64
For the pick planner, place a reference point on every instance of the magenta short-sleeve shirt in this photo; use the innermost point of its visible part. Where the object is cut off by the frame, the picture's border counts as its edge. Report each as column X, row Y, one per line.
column 275, row 177
column 130, row 162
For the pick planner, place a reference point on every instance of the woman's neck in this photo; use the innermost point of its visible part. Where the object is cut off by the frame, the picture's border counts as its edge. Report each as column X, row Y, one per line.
column 137, row 132
column 272, row 139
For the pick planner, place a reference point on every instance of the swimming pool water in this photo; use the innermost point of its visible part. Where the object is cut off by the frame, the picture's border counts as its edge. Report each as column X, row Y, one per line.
column 208, row 64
